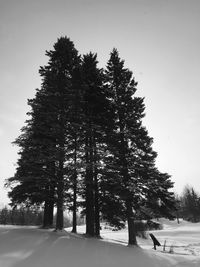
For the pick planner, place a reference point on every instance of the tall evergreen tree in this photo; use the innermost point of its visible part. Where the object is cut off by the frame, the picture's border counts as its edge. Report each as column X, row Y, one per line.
column 59, row 75
column 44, row 142
column 85, row 138
column 132, row 156
column 95, row 110
column 35, row 173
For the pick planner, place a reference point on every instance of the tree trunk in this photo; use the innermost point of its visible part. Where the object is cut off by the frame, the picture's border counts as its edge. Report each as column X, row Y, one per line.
column 60, row 171
column 131, row 227
column 96, row 194
column 97, row 217
column 49, row 207
column 59, row 217
column 60, row 191
column 74, row 220
column 46, row 215
column 177, row 217
column 74, row 223
column 89, row 189
column 129, row 212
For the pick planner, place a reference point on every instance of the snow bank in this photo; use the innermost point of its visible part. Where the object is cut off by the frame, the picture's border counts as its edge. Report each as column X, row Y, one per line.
column 24, row 247
column 32, row 247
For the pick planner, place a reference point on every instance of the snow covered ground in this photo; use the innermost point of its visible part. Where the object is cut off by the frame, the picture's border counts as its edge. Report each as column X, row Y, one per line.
column 33, row 247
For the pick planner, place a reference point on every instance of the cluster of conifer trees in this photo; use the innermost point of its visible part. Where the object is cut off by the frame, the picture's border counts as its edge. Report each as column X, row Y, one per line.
column 84, row 145
column 188, row 205
column 21, row 216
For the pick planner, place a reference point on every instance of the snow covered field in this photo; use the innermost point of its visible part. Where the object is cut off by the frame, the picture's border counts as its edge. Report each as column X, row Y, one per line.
column 32, row 247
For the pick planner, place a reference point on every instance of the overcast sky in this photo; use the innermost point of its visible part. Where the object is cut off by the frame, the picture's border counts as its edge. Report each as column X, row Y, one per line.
column 159, row 41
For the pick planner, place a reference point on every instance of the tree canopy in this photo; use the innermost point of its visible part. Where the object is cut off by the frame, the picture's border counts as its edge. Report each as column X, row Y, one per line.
column 85, row 147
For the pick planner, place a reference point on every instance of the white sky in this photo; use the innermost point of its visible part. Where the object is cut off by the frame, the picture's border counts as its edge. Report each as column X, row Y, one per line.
column 160, row 42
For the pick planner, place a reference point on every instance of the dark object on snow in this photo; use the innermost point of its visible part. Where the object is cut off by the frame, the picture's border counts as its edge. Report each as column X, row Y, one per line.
column 155, row 241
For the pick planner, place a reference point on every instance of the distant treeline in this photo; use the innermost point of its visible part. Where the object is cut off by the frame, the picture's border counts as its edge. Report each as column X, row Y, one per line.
column 188, row 205
column 21, row 216
column 31, row 216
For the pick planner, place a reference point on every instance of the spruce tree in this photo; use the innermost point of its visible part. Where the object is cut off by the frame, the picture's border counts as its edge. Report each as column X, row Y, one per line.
column 35, row 174
column 59, row 78
column 44, row 142
column 95, row 112
column 190, row 204
column 85, row 138
column 131, row 155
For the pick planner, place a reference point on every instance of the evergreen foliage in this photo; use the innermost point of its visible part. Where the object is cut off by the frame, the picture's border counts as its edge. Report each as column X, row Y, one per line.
column 21, row 216
column 94, row 123
column 131, row 164
column 189, row 205
column 84, row 145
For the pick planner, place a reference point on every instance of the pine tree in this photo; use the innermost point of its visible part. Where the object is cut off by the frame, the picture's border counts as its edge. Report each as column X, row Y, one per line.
column 59, row 81
column 190, row 204
column 42, row 167
column 131, row 156
column 95, row 110
column 35, row 173
column 85, row 139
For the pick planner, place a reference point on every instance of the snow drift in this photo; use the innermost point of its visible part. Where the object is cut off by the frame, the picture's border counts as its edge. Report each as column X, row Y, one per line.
column 32, row 247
